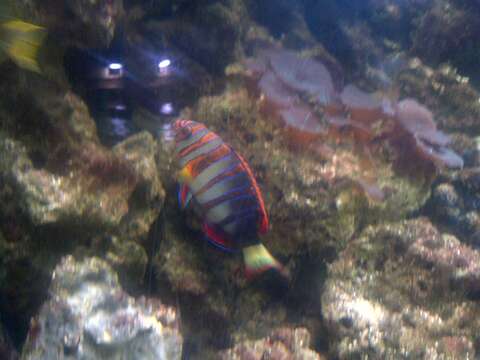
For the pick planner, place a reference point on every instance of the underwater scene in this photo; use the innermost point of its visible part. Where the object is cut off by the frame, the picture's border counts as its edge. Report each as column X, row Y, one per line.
column 239, row 179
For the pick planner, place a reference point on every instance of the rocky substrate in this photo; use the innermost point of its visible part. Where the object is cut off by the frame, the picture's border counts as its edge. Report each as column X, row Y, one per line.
column 89, row 316
column 404, row 290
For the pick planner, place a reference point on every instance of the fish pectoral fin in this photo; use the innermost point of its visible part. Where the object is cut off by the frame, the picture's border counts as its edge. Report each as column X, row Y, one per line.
column 217, row 238
column 184, row 196
column 21, row 41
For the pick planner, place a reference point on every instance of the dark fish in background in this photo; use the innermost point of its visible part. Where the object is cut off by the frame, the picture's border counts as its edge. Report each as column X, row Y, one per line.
column 218, row 185
column 20, row 40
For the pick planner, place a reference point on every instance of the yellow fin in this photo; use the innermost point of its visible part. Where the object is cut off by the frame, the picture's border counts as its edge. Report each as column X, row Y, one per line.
column 258, row 259
column 21, row 41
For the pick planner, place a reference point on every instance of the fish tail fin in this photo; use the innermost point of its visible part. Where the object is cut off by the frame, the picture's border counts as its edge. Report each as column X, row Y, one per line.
column 258, row 261
column 21, row 41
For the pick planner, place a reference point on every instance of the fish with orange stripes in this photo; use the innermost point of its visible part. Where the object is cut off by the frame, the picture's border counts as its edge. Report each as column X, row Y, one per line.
column 217, row 183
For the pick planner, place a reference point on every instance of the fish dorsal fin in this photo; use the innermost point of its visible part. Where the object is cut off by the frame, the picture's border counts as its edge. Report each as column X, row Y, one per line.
column 217, row 238
column 184, row 196
column 263, row 222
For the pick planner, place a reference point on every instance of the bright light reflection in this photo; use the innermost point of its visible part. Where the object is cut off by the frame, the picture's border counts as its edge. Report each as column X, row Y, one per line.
column 115, row 66
column 166, row 108
column 164, row 64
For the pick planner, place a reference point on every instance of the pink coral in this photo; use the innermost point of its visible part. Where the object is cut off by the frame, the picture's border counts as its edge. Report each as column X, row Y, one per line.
column 417, row 122
column 290, row 84
column 362, row 106
column 303, row 74
column 299, row 119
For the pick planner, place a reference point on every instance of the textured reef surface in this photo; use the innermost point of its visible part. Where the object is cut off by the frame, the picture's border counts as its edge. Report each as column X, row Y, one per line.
column 403, row 290
column 360, row 121
column 89, row 316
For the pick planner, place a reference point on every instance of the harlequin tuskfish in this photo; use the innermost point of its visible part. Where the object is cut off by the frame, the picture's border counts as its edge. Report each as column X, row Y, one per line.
column 217, row 183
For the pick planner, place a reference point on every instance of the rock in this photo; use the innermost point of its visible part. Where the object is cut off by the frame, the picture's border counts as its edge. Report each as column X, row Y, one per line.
column 56, row 166
column 146, row 199
column 126, row 251
column 36, row 144
column 81, row 23
column 447, row 32
column 99, row 17
column 95, row 193
column 283, row 343
column 363, row 34
column 90, row 317
column 292, row 30
column 454, row 205
column 129, row 259
column 179, row 262
column 40, row 206
column 404, row 290
column 209, row 34
column 49, row 198
column 62, row 192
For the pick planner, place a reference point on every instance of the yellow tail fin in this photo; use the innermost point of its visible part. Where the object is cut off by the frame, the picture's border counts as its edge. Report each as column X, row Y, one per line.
column 21, row 41
column 258, row 260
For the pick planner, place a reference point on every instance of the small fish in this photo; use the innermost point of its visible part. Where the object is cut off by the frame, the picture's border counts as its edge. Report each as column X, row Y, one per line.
column 20, row 40
column 217, row 183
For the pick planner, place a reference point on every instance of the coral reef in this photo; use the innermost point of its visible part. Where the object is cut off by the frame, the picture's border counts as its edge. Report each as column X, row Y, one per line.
column 329, row 127
column 89, row 316
column 403, row 290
